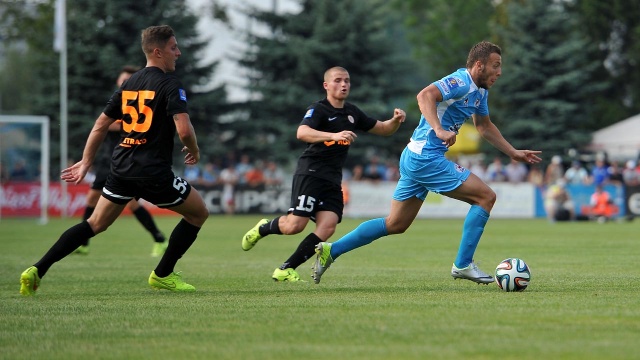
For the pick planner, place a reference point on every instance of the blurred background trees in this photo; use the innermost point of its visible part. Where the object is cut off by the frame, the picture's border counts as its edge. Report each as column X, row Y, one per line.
column 570, row 67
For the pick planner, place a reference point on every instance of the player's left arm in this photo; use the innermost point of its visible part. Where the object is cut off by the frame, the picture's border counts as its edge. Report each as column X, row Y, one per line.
column 76, row 172
column 492, row 134
column 389, row 127
column 187, row 136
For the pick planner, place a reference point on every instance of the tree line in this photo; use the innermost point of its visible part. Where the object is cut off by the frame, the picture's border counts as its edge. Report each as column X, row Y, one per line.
column 569, row 67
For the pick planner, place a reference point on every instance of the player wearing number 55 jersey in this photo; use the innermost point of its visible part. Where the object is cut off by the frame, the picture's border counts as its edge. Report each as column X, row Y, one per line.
column 328, row 128
column 153, row 107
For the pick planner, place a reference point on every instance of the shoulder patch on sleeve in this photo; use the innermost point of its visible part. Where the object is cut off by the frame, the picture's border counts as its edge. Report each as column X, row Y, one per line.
column 454, row 82
column 183, row 94
column 444, row 87
column 309, row 113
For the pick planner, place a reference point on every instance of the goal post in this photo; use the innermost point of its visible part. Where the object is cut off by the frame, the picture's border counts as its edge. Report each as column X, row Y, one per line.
column 16, row 137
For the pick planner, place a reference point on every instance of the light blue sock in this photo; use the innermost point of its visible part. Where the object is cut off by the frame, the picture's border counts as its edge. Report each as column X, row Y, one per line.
column 364, row 234
column 472, row 230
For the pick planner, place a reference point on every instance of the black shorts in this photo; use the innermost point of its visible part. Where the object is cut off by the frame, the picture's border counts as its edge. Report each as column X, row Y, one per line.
column 311, row 194
column 164, row 191
column 102, row 172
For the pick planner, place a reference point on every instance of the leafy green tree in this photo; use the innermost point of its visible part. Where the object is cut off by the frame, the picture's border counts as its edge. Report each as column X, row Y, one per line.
column 103, row 36
column 545, row 94
column 286, row 68
column 615, row 27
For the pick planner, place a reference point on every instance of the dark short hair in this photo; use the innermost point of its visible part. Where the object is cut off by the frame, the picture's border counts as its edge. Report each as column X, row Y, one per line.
column 155, row 36
column 481, row 51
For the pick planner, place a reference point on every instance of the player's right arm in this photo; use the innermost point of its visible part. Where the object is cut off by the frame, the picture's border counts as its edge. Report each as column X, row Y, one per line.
column 77, row 171
column 187, row 136
column 427, row 102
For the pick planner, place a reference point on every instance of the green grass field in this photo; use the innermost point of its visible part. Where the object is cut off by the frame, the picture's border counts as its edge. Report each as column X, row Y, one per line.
column 394, row 299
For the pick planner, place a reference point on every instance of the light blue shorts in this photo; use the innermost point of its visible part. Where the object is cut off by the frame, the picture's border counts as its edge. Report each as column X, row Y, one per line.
column 420, row 174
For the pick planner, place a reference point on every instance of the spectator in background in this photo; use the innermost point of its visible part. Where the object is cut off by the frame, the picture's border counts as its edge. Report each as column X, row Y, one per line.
column 273, row 175
column 393, row 172
column 558, row 203
column 243, row 167
column 576, row 174
column 374, row 170
column 479, row 168
column 615, row 174
column 358, row 173
column 496, row 171
column 516, row 171
column 554, row 171
column 254, row 177
column 600, row 172
column 191, row 173
column 535, row 176
column 602, row 207
column 229, row 178
column 210, row 174
column 631, row 174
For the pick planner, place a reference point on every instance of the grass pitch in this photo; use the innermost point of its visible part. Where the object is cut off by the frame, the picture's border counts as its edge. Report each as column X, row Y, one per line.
column 393, row 299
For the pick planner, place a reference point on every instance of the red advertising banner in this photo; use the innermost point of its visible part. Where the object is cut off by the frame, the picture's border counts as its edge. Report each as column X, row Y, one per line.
column 22, row 199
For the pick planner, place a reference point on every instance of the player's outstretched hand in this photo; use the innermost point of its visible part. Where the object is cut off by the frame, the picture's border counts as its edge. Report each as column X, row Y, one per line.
column 191, row 158
column 75, row 173
column 528, row 156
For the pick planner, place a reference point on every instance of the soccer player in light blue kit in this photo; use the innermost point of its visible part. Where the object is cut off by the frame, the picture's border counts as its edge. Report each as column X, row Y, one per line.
column 445, row 105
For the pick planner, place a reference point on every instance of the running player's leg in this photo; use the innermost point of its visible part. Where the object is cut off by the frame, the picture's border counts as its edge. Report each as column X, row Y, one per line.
column 481, row 198
column 105, row 214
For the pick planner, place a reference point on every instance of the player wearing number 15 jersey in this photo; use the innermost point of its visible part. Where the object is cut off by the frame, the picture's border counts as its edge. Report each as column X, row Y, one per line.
column 328, row 128
column 153, row 107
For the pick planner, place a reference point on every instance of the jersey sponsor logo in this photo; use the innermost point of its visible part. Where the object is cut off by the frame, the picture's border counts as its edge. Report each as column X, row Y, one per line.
column 333, row 118
column 341, row 142
column 128, row 142
column 351, row 120
column 444, row 87
column 477, row 103
column 183, row 94
column 309, row 113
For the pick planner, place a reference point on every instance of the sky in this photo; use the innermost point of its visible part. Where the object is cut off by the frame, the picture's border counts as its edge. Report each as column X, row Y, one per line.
column 226, row 42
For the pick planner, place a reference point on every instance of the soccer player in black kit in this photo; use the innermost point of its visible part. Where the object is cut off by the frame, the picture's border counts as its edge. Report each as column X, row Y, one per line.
column 102, row 167
column 153, row 107
column 328, row 128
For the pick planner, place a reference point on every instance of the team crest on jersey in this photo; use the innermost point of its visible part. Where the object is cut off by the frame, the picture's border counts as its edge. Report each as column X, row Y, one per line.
column 308, row 114
column 444, row 87
column 183, row 94
column 351, row 119
column 459, row 168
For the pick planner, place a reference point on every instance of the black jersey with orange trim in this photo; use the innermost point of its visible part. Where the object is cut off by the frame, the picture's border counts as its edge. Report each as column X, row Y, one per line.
column 103, row 157
column 326, row 159
column 146, row 104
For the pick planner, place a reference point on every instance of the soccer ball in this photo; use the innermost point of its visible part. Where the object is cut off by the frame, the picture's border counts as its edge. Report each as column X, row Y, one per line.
column 513, row 274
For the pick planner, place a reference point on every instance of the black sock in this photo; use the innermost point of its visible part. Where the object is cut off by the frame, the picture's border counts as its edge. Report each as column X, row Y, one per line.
column 182, row 237
column 66, row 244
column 87, row 214
column 305, row 250
column 144, row 217
column 271, row 227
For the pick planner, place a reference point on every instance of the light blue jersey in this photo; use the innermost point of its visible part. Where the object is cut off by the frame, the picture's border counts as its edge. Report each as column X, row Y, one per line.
column 460, row 99
column 423, row 167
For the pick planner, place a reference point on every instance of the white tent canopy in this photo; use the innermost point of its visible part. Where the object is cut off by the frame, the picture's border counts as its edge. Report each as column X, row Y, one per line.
column 621, row 141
